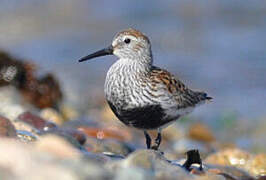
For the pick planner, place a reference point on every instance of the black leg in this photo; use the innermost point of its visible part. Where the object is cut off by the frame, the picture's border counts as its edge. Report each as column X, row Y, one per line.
column 148, row 139
column 157, row 141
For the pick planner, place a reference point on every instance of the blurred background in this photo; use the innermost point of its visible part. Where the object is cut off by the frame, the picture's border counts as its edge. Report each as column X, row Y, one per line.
column 215, row 46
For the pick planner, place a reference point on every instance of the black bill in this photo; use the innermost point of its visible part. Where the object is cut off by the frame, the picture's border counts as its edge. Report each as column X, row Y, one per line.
column 103, row 52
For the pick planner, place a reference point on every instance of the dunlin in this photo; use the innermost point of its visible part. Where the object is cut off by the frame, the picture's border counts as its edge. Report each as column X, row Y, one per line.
column 140, row 94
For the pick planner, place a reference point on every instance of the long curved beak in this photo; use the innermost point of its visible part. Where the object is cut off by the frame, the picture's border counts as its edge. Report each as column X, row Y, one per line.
column 103, row 52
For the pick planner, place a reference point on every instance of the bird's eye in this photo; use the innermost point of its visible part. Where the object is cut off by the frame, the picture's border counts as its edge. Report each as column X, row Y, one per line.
column 127, row 40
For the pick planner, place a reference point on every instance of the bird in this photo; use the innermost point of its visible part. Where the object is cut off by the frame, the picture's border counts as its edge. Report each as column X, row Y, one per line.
column 140, row 94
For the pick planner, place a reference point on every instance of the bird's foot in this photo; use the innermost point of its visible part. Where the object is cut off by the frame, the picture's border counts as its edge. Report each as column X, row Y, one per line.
column 193, row 157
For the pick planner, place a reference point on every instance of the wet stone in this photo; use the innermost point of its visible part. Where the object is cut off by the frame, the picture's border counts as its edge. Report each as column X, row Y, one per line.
column 108, row 145
column 52, row 116
column 229, row 157
column 257, row 165
column 68, row 137
column 12, row 70
column 11, row 103
column 153, row 163
column 7, row 129
column 74, row 133
column 35, row 121
column 41, row 92
column 200, row 132
column 26, row 136
column 230, row 172
column 81, row 122
column 100, row 133
column 46, row 94
column 22, row 126
column 113, row 156
column 58, row 146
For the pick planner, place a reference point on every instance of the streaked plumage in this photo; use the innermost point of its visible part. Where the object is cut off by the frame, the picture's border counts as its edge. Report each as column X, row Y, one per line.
column 140, row 94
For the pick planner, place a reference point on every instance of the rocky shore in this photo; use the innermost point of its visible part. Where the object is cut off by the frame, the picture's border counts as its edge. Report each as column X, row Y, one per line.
column 42, row 137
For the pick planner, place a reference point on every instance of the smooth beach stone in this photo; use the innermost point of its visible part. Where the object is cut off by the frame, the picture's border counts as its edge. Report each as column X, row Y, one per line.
column 7, row 129
column 153, row 163
column 200, row 132
column 108, row 145
column 26, row 136
column 52, row 115
column 36, row 121
column 74, row 133
column 229, row 157
column 257, row 165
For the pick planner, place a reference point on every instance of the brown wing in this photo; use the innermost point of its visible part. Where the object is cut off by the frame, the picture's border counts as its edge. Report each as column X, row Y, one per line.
column 184, row 96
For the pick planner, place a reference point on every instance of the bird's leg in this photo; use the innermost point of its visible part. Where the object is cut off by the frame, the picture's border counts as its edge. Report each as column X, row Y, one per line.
column 148, row 139
column 157, row 140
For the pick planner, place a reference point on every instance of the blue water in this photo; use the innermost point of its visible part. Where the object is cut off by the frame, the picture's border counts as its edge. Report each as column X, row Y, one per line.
column 216, row 46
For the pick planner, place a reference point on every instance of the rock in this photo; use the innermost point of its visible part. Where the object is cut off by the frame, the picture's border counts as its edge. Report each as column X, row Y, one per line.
column 134, row 174
column 6, row 173
column 36, row 121
column 58, row 146
column 81, row 122
column 52, row 116
column 108, row 145
column 257, row 165
column 200, row 132
column 229, row 157
column 68, row 112
column 74, row 133
column 65, row 135
column 51, row 158
column 41, row 92
column 230, row 172
column 46, row 92
column 12, row 71
column 22, row 126
column 153, row 163
column 174, row 132
column 113, row 156
column 26, row 136
column 6, row 128
column 101, row 133
column 262, row 178
column 11, row 103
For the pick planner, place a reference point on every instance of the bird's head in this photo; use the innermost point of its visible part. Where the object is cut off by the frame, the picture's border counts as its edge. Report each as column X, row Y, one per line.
column 129, row 44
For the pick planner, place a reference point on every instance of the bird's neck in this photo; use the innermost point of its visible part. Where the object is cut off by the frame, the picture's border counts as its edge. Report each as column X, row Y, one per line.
column 136, row 66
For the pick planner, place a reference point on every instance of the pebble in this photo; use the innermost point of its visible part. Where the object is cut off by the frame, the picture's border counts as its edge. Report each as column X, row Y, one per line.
column 52, row 116
column 11, row 103
column 36, row 121
column 257, row 165
column 153, row 163
column 200, row 132
column 101, row 133
column 254, row 164
column 229, row 157
column 7, row 129
column 26, row 136
column 79, row 136
column 58, row 146
column 109, row 146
